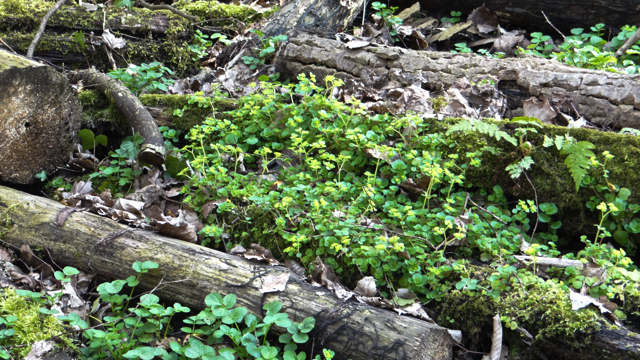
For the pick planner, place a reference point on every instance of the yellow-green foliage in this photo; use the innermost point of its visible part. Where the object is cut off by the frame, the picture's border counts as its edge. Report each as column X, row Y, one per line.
column 32, row 325
column 216, row 10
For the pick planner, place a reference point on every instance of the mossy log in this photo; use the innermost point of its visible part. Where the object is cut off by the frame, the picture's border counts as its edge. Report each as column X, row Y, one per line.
column 353, row 331
column 98, row 109
column 39, row 118
column 604, row 98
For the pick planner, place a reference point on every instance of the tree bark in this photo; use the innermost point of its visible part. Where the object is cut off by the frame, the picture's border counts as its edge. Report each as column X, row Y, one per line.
column 329, row 16
column 603, row 98
column 152, row 150
column 565, row 15
column 39, row 118
column 354, row 331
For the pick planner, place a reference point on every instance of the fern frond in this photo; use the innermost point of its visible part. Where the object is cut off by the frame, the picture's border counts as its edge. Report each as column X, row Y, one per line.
column 482, row 127
column 578, row 159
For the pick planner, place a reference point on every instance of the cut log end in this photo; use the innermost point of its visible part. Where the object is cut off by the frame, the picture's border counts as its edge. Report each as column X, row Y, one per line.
column 40, row 118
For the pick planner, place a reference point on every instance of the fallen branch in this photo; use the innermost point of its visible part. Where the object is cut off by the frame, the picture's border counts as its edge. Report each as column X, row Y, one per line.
column 354, row 331
column 632, row 40
column 43, row 25
column 559, row 263
column 152, row 150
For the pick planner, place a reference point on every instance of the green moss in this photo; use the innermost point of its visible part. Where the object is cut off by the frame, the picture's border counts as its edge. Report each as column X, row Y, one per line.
column 32, row 325
column 544, row 311
column 97, row 107
column 549, row 174
column 216, row 10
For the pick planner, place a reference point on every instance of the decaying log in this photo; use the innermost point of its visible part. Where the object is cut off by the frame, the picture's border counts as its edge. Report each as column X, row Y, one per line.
column 152, row 150
column 39, row 118
column 325, row 16
column 603, row 98
column 354, row 331
column 565, row 15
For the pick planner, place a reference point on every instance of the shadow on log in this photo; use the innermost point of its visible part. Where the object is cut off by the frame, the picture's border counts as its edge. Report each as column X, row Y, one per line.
column 353, row 331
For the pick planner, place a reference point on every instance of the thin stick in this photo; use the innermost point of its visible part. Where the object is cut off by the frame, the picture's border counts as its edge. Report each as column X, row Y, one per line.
column 537, row 210
column 485, row 210
column 43, row 26
column 559, row 32
column 8, row 47
column 145, row 4
column 632, row 40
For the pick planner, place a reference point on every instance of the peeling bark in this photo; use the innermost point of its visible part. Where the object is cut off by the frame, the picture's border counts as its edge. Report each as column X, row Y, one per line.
column 152, row 150
column 606, row 99
column 353, row 331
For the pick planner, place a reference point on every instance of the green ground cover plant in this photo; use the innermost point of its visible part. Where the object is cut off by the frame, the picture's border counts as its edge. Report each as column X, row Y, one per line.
column 590, row 49
column 222, row 331
column 383, row 195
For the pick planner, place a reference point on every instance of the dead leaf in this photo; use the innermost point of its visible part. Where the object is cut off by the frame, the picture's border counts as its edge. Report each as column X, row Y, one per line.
column 238, row 250
column 357, row 44
column 259, row 252
column 63, row 214
column 272, row 283
column 496, row 340
column 540, row 110
column 325, row 275
column 113, row 42
column 408, row 12
column 450, row 32
column 4, row 255
column 366, row 287
column 484, row 19
column 39, row 349
column 415, row 309
column 88, row 6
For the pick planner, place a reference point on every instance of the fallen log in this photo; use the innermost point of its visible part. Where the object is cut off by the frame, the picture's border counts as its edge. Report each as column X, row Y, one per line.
column 354, row 331
column 565, row 15
column 39, row 118
column 603, row 98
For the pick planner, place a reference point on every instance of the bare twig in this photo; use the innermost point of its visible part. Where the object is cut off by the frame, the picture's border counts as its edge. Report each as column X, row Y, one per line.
column 8, row 47
column 632, row 40
column 146, row 5
column 559, row 32
column 485, row 210
column 537, row 210
column 111, row 236
column 43, row 26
